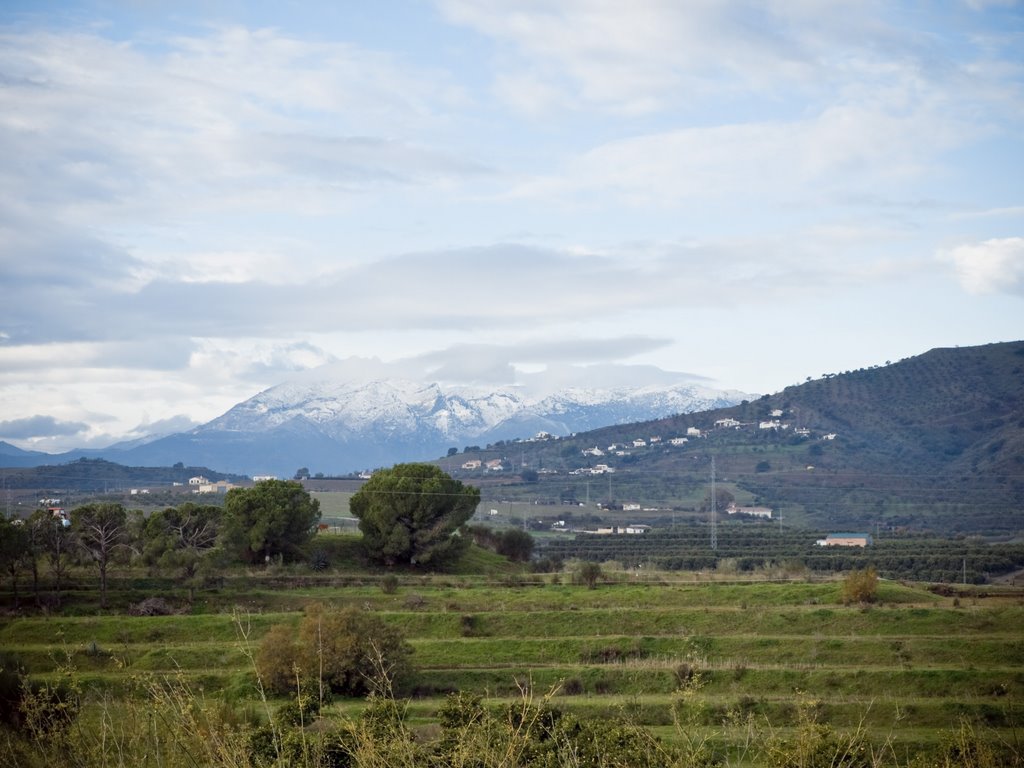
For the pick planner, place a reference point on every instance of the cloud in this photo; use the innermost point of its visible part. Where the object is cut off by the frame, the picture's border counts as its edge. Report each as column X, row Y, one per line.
column 462, row 290
column 40, row 427
column 538, row 366
column 638, row 58
column 845, row 150
column 990, row 266
column 172, row 424
column 165, row 354
column 503, row 363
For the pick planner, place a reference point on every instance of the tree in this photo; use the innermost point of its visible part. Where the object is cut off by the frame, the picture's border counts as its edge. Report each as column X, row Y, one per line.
column 590, row 573
column 181, row 538
column 101, row 528
column 723, row 498
column 410, row 513
column 36, row 528
column 274, row 517
column 302, row 473
column 13, row 548
column 515, row 544
column 346, row 651
column 58, row 544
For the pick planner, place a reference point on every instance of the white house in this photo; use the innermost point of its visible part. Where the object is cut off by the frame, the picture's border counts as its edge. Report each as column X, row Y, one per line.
column 845, row 540
column 637, row 528
column 727, row 422
column 631, row 507
column 678, row 441
column 472, row 464
column 595, row 451
column 263, row 478
column 692, row 432
column 222, row 486
column 639, row 443
column 765, row 512
column 773, row 424
column 777, row 413
column 199, row 480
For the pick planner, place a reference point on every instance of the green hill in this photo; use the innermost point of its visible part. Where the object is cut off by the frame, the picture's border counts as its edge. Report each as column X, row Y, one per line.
column 933, row 442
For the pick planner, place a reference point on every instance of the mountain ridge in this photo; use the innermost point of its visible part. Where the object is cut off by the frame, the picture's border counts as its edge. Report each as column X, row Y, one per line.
column 340, row 427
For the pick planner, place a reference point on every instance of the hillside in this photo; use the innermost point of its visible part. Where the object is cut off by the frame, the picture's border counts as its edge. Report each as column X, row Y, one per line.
column 100, row 475
column 931, row 442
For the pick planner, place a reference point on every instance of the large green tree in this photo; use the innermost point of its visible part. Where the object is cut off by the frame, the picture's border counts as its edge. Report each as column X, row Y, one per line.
column 182, row 538
column 273, row 518
column 409, row 514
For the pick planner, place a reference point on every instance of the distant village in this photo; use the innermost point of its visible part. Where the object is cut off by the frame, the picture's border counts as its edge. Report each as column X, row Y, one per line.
column 616, row 450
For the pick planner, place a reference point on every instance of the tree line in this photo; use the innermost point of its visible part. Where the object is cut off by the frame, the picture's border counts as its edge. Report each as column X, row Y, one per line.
column 409, row 516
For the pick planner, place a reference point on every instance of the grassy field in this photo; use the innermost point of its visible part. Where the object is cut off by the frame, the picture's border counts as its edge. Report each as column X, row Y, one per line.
column 680, row 653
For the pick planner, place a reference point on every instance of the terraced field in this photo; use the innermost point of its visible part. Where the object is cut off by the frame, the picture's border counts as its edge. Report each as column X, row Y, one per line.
column 682, row 657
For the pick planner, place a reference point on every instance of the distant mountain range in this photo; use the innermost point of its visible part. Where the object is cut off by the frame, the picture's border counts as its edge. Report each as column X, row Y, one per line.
column 932, row 442
column 339, row 426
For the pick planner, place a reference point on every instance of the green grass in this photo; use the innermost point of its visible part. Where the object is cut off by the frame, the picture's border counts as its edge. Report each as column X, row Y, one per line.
column 912, row 665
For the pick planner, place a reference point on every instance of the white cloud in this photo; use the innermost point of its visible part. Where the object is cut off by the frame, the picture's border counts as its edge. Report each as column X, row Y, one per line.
column 641, row 56
column 844, row 149
column 35, row 427
column 991, row 266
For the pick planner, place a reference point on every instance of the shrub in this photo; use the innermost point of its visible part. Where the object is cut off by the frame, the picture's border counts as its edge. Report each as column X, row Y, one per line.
column 389, row 584
column 589, row 574
column 860, row 586
column 151, row 606
column 347, row 652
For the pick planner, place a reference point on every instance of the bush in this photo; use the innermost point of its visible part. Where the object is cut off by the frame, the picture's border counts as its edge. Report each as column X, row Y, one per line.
column 348, row 652
column 860, row 587
column 389, row 584
column 589, row 574
column 515, row 544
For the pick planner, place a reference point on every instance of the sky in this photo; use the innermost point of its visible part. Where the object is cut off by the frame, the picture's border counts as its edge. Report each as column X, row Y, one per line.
column 200, row 200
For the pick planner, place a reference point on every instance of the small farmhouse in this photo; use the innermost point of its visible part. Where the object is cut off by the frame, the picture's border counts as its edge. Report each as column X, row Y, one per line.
column 845, row 540
column 221, row 487
column 765, row 512
column 637, row 529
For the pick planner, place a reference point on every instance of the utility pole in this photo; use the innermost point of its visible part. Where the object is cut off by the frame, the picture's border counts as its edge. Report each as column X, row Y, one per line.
column 714, row 509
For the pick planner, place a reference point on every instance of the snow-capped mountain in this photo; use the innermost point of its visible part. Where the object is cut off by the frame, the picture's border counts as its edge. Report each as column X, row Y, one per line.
column 343, row 426
column 339, row 419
